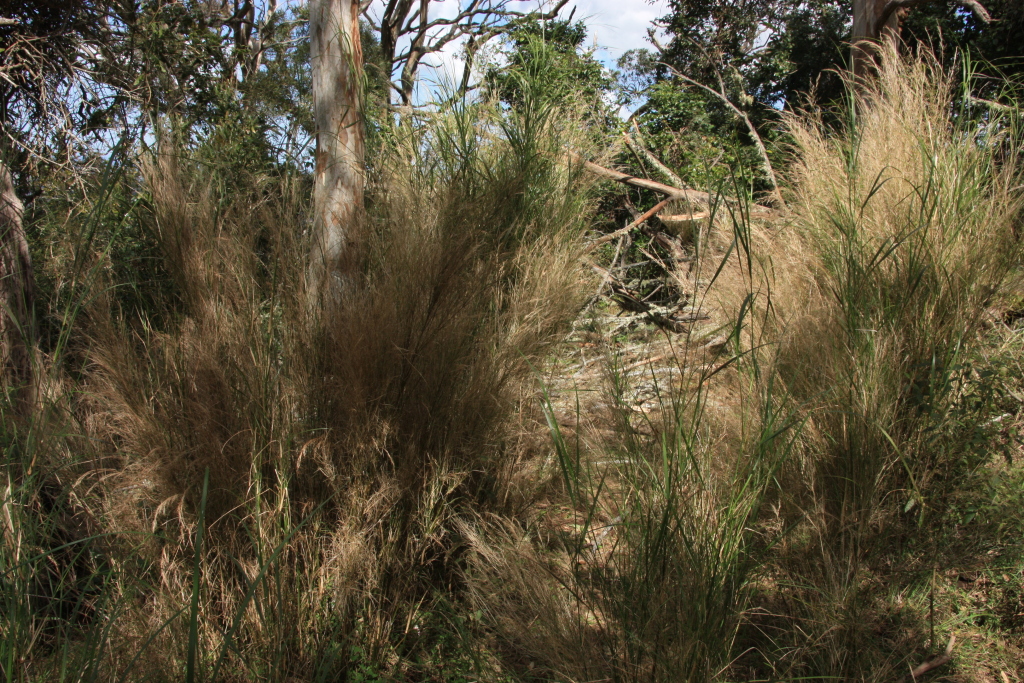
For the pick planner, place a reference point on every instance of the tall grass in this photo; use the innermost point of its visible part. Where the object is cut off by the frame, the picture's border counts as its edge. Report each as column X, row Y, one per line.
column 280, row 485
column 739, row 524
column 905, row 234
column 229, row 483
column 656, row 564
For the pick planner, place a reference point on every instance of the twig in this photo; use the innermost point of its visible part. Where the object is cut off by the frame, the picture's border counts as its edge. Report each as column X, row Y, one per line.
column 622, row 231
column 935, row 663
column 607, row 273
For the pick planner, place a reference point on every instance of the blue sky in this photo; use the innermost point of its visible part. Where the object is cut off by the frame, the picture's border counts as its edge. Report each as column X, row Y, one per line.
column 618, row 25
column 615, row 26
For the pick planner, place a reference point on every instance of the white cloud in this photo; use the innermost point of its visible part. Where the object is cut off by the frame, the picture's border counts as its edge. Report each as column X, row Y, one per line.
column 619, row 25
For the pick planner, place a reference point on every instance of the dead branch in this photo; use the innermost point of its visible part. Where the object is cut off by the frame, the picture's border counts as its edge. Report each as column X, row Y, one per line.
column 672, row 192
column 622, row 231
column 644, row 183
column 935, row 663
column 672, row 318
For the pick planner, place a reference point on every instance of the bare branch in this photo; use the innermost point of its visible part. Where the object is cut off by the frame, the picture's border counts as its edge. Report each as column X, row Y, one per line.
column 622, row 231
column 758, row 142
column 482, row 19
column 687, row 194
column 935, row 663
column 644, row 183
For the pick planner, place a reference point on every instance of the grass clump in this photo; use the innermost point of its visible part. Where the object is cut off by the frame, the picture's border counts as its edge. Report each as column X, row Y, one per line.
column 904, row 241
column 224, row 481
column 282, row 483
column 777, row 508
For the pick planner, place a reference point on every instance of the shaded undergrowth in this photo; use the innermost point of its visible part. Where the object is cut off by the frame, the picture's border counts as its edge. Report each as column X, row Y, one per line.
column 225, row 481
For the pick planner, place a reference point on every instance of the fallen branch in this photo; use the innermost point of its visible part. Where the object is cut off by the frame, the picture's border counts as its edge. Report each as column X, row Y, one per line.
column 672, row 318
column 639, row 149
column 668, row 190
column 644, row 183
column 935, row 663
column 622, row 231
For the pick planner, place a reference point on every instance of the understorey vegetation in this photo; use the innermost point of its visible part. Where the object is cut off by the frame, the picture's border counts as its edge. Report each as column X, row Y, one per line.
column 726, row 396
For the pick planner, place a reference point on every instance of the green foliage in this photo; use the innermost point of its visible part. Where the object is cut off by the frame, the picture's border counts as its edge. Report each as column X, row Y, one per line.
column 949, row 29
column 762, row 56
column 552, row 53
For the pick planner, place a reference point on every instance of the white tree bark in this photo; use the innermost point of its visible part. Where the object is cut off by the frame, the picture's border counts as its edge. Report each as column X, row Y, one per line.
column 881, row 20
column 870, row 27
column 17, row 292
column 337, row 65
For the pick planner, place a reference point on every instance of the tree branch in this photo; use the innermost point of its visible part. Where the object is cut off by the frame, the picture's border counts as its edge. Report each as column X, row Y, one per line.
column 935, row 663
column 622, row 231
column 762, row 150
column 978, row 10
column 636, row 144
column 483, row 19
column 893, row 5
column 667, row 190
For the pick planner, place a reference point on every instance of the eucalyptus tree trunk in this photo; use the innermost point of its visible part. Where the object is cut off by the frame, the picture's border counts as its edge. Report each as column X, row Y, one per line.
column 17, row 293
column 879, row 21
column 873, row 21
column 337, row 66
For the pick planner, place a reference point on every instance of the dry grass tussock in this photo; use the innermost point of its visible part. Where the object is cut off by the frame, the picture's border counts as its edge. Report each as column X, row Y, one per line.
column 903, row 240
column 734, row 531
column 905, row 233
column 313, row 463
column 268, row 490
